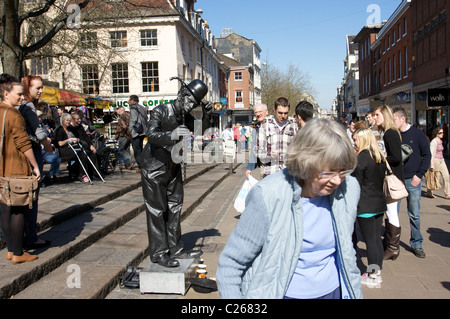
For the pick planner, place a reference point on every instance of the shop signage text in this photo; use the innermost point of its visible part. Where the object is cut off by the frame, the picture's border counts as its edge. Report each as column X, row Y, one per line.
column 150, row 102
column 438, row 97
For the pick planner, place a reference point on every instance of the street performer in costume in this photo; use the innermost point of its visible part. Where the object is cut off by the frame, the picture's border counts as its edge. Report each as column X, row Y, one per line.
column 162, row 184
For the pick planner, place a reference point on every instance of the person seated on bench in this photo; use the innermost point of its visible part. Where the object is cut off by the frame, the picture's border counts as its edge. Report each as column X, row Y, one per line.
column 66, row 134
column 49, row 157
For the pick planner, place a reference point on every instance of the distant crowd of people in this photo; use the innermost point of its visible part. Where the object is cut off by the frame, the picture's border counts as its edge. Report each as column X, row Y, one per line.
column 296, row 238
column 319, row 182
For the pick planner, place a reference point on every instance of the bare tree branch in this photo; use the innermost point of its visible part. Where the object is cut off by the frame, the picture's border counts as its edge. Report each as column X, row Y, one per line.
column 53, row 31
column 44, row 9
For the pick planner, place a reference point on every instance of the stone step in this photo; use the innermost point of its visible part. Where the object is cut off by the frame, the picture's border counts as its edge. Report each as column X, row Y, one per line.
column 108, row 239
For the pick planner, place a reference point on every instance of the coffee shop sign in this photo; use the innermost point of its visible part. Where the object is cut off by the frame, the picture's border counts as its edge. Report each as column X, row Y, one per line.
column 150, row 102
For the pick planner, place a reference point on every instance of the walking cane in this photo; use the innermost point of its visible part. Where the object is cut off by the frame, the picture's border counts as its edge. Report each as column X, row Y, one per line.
column 79, row 160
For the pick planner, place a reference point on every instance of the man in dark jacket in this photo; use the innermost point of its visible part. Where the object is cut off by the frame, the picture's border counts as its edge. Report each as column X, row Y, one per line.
column 413, row 169
column 161, row 173
column 137, row 127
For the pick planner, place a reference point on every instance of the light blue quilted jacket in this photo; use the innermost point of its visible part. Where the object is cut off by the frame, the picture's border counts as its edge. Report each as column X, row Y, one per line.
column 262, row 252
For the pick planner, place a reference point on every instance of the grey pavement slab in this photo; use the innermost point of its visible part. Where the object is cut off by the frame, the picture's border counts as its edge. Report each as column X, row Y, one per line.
column 408, row 277
column 104, row 248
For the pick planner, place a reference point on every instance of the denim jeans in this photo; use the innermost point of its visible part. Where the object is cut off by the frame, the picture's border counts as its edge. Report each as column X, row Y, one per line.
column 54, row 161
column 413, row 207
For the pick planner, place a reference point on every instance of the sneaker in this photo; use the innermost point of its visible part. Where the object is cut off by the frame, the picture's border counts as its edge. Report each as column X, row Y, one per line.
column 370, row 282
column 84, row 179
column 418, row 252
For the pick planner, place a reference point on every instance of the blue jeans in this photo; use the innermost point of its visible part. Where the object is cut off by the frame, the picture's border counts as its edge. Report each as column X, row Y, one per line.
column 413, row 207
column 54, row 161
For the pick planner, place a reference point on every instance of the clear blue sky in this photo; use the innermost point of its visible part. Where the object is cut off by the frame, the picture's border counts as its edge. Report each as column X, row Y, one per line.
column 308, row 34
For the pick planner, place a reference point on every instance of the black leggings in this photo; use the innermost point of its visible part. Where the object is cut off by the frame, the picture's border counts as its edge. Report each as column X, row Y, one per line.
column 371, row 231
column 13, row 224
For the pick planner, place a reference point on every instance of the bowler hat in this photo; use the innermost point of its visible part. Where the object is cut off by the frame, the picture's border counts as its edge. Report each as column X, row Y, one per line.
column 198, row 89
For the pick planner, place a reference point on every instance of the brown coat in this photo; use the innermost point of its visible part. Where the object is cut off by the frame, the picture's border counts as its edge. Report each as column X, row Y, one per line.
column 122, row 126
column 16, row 142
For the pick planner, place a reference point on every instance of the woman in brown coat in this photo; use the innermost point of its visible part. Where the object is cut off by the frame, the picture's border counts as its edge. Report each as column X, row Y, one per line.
column 16, row 159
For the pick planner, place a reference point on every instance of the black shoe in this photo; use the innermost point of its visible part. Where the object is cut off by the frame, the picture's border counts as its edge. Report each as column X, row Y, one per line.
column 39, row 245
column 418, row 252
column 168, row 262
column 46, row 181
column 182, row 254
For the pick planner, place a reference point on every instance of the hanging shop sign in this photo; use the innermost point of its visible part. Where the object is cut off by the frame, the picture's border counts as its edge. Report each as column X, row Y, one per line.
column 438, row 97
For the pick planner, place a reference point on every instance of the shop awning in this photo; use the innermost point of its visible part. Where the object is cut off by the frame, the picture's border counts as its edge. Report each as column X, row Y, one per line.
column 55, row 96
column 98, row 103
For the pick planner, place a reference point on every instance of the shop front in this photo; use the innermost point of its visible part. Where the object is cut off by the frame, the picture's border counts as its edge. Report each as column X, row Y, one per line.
column 362, row 107
column 401, row 96
column 433, row 108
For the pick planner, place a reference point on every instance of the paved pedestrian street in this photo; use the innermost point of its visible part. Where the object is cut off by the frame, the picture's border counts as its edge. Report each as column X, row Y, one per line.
column 101, row 243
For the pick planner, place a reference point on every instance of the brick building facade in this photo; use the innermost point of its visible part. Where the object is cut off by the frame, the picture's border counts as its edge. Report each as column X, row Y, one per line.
column 400, row 60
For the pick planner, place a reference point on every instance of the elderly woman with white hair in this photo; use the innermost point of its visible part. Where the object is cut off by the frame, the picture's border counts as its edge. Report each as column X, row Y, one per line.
column 294, row 239
column 66, row 134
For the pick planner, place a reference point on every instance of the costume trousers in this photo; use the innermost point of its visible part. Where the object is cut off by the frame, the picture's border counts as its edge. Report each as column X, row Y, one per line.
column 163, row 197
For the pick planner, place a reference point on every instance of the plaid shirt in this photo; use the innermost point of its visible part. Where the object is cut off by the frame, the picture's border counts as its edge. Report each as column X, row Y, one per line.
column 272, row 143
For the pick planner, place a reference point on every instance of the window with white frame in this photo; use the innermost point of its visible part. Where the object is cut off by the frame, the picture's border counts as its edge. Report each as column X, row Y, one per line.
column 149, row 38
column 238, row 76
column 118, row 39
column 89, row 79
column 88, row 40
column 405, row 25
column 119, row 75
column 150, row 77
column 394, row 74
column 406, row 63
column 239, row 98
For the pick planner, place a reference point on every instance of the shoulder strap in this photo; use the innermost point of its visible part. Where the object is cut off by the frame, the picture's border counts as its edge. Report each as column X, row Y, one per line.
column 2, row 136
column 388, row 167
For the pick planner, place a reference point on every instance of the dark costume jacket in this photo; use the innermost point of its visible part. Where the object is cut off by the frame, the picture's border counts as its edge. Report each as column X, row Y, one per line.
column 163, row 121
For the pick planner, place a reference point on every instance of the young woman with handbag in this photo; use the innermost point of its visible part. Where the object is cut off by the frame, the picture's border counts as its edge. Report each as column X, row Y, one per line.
column 370, row 173
column 384, row 119
column 437, row 164
column 16, row 160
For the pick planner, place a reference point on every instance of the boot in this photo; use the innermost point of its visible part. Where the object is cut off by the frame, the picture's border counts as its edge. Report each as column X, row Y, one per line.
column 392, row 241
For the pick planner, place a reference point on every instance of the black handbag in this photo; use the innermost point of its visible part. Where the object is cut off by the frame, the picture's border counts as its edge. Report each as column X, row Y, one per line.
column 138, row 128
column 406, row 152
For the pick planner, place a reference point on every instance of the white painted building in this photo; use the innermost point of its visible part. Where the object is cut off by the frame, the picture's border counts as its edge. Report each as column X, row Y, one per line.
column 138, row 53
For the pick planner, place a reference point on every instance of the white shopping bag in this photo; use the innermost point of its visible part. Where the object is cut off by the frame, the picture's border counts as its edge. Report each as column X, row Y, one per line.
column 239, row 203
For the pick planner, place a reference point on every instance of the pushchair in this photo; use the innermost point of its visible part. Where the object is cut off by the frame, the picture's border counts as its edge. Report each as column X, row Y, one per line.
column 108, row 155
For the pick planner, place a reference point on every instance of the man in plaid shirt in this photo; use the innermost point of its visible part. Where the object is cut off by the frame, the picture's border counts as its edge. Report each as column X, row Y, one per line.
column 274, row 137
